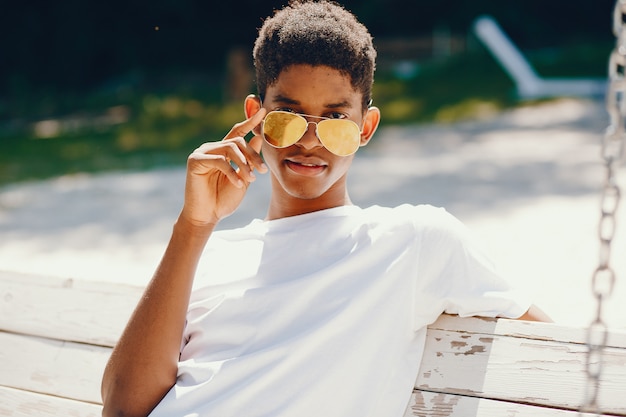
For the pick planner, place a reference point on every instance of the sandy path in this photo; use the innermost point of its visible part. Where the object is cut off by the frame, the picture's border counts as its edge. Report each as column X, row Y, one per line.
column 526, row 182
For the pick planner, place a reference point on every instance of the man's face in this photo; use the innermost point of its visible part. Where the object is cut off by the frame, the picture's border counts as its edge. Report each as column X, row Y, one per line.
column 307, row 170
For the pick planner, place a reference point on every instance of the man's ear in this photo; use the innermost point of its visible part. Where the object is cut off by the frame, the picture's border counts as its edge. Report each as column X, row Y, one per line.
column 251, row 106
column 370, row 124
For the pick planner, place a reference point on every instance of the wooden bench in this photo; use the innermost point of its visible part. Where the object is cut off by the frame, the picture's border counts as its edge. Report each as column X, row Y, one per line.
column 56, row 336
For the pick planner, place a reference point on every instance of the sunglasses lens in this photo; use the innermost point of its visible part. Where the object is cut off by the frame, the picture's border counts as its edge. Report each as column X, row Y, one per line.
column 340, row 136
column 282, row 129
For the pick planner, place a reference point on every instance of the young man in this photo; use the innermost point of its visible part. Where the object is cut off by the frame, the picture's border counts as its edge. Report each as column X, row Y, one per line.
column 321, row 308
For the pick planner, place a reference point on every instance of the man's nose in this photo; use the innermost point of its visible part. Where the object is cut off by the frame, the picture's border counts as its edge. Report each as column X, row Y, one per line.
column 310, row 140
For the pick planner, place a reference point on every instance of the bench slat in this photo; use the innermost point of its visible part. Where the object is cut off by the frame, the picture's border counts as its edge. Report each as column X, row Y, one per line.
column 549, row 373
column 431, row 404
column 525, row 329
column 514, row 368
column 63, row 369
column 18, row 403
column 65, row 309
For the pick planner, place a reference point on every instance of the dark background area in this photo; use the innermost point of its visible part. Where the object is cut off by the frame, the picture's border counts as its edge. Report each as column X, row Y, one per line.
column 77, row 44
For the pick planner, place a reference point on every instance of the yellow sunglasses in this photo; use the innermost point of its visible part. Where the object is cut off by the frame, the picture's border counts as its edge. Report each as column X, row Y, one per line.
column 281, row 129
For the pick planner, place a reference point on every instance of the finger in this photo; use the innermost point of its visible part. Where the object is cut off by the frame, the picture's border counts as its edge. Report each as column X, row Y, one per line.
column 254, row 158
column 232, row 149
column 251, row 150
column 255, row 143
column 243, row 128
column 244, row 157
column 202, row 164
column 238, row 152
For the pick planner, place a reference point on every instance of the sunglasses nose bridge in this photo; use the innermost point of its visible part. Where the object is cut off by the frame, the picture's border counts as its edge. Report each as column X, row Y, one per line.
column 308, row 125
column 310, row 134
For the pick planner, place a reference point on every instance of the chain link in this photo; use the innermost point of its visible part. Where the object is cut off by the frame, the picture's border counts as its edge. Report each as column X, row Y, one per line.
column 603, row 279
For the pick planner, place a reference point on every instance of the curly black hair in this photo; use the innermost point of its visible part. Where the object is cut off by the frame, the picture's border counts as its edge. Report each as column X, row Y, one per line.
column 315, row 33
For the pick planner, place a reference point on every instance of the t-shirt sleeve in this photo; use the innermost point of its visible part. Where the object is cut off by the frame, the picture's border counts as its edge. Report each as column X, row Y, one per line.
column 456, row 276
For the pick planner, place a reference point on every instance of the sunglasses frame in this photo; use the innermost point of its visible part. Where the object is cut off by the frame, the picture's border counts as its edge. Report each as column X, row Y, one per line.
column 308, row 122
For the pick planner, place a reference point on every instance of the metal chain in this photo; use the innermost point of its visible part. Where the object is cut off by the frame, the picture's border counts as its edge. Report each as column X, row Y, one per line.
column 603, row 279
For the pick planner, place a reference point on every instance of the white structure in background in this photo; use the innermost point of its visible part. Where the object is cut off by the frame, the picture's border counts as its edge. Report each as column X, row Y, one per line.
column 528, row 83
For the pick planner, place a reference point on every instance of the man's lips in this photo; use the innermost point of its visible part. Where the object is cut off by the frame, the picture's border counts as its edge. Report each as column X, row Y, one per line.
column 306, row 166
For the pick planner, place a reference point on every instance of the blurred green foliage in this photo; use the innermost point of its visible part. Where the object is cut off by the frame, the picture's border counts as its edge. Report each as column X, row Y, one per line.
column 133, row 126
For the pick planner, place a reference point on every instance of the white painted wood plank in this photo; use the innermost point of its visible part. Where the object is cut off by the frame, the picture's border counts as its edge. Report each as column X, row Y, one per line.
column 457, row 363
column 429, row 404
column 517, row 369
column 65, row 309
column 63, row 369
column 17, row 403
column 525, row 329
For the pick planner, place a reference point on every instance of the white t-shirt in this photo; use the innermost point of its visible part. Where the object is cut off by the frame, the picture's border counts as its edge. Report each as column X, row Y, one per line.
column 325, row 314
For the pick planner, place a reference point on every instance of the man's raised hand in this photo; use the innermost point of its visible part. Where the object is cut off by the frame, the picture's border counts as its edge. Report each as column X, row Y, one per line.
column 219, row 173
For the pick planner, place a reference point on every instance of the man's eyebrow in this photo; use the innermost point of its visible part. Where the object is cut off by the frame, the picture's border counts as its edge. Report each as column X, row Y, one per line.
column 339, row 105
column 286, row 100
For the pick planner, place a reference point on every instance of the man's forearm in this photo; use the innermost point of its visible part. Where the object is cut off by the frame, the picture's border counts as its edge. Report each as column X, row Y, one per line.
column 143, row 365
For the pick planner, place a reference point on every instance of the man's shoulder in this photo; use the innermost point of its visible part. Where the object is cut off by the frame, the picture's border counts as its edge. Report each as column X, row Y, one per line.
column 423, row 219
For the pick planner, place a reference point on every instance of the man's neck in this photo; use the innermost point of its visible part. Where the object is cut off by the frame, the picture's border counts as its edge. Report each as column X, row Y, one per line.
column 289, row 206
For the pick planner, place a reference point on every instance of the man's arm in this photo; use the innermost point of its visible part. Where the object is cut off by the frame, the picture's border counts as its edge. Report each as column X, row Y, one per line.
column 144, row 363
